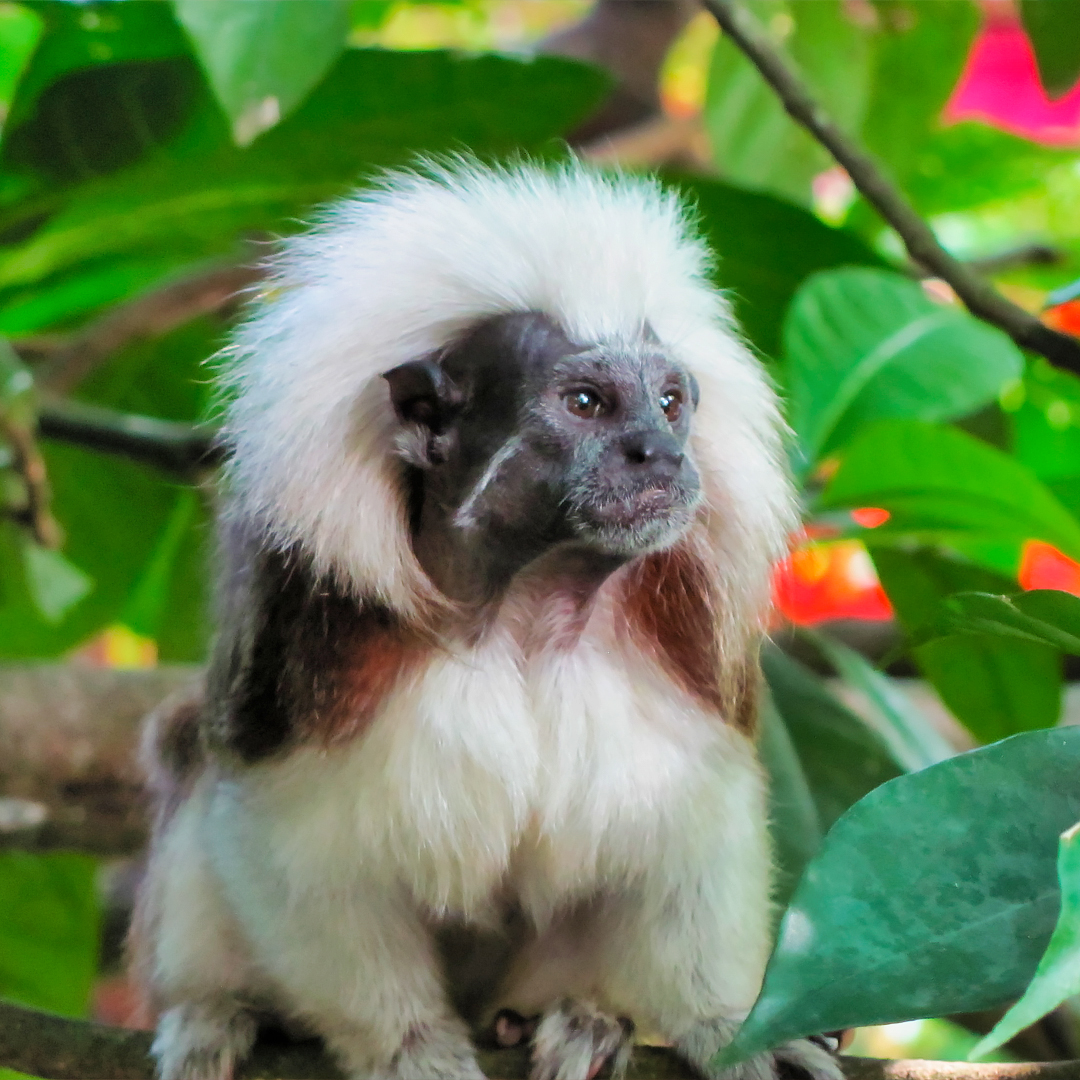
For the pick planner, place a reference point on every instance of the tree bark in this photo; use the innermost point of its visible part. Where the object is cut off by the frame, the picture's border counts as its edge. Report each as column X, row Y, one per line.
column 68, row 771
column 62, row 1049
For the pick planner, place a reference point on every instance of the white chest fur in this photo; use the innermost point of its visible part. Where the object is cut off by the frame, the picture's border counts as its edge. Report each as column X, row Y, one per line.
column 554, row 770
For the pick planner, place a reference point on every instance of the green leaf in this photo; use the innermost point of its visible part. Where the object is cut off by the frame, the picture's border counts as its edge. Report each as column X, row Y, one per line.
column 943, row 486
column 49, row 922
column 841, row 757
column 922, row 49
column 765, row 248
column 20, row 31
column 793, row 816
column 995, row 687
column 149, row 598
column 262, row 59
column 108, row 83
column 54, row 583
column 1044, row 615
column 935, row 894
column 1054, row 29
column 754, row 142
column 375, row 108
column 1058, row 974
column 862, row 345
column 912, row 739
column 1046, row 422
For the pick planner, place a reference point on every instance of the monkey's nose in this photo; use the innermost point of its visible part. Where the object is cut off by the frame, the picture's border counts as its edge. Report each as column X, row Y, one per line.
column 656, row 450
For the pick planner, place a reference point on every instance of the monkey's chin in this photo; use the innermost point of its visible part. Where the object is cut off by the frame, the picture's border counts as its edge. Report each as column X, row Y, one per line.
column 646, row 521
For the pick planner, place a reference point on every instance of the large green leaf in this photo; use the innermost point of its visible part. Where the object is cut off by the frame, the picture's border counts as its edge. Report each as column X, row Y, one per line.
column 864, row 344
column 765, row 249
column 263, row 58
column 1058, row 974
column 1054, row 29
column 935, row 894
column 841, row 757
column 753, row 139
column 994, row 686
column 48, row 930
column 943, row 486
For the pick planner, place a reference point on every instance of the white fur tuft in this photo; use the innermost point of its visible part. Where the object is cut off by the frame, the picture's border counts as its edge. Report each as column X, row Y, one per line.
column 398, row 271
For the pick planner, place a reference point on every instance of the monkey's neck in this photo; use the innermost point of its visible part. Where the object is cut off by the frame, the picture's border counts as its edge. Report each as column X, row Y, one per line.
column 481, row 573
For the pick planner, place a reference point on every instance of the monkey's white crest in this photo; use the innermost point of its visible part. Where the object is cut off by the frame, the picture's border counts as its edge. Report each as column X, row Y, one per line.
column 401, row 269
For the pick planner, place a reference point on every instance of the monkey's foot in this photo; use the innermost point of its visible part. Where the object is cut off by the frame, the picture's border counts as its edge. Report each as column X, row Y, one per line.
column 800, row 1059
column 202, row 1040
column 437, row 1051
column 574, row 1040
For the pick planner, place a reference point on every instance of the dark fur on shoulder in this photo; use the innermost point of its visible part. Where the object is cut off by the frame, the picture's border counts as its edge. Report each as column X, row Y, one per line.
column 298, row 658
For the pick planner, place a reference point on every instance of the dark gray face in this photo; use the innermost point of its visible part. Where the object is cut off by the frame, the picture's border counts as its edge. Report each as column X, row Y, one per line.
column 525, row 440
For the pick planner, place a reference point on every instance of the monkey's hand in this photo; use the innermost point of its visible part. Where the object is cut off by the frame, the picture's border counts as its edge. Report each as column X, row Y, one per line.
column 800, row 1059
column 575, row 1039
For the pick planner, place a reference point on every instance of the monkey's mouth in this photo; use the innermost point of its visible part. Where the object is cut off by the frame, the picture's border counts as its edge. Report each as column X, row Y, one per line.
column 633, row 508
column 635, row 520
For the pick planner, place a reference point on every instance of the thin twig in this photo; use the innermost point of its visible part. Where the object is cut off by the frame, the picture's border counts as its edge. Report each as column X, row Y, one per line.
column 151, row 315
column 187, row 450
column 28, row 463
column 981, row 298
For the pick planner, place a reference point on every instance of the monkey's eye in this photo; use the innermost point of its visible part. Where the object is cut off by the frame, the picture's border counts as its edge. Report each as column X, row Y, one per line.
column 584, row 403
column 672, row 403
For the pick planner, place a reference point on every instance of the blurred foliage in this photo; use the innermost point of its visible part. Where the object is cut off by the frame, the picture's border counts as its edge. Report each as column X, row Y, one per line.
column 146, row 143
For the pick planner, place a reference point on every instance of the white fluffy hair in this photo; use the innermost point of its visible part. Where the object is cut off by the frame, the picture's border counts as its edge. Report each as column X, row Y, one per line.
column 399, row 270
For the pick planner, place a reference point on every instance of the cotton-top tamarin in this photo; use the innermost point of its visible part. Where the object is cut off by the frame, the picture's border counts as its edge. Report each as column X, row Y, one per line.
column 476, row 743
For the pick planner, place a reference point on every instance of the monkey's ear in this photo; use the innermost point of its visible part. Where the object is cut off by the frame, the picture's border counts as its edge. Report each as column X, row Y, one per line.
column 422, row 393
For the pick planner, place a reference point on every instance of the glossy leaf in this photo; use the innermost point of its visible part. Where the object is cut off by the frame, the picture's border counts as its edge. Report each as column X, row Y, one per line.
column 862, row 345
column 262, row 59
column 1044, row 615
column 841, row 757
column 765, row 248
column 49, row 922
column 912, row 739
column 935, row 894
column 941, row 485
column 1058, row 974
column 995, row 687
column 1053, row 26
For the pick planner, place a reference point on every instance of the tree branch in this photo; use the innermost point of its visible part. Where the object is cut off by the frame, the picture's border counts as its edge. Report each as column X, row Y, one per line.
column 62, row 1049
column 69, row 778
column 184, row 449
column 981, row 298
column 150, row 315
column 29, row 465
